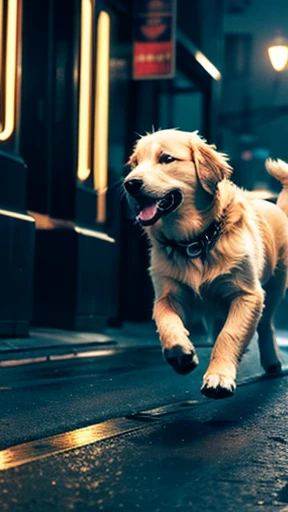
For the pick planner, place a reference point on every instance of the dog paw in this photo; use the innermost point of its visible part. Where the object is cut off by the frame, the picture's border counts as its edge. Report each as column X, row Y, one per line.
column 182, row 360
column 218, row 386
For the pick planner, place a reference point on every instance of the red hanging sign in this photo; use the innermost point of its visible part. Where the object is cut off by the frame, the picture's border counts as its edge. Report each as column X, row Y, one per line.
column 154, row 39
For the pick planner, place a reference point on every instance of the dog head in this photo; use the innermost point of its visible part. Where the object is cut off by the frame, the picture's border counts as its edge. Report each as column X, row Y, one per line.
column 172, row 171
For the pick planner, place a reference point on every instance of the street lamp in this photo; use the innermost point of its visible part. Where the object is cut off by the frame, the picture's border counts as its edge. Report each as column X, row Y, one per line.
column 278, row 53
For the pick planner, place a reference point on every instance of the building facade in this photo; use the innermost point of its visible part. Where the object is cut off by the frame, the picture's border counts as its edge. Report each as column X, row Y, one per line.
column 70, row 111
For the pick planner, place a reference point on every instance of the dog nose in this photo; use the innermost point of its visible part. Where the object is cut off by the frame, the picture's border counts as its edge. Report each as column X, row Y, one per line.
column 133, row 186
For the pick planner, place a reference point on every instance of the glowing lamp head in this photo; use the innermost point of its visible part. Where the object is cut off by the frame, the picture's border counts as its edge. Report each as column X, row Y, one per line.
column 278, row 53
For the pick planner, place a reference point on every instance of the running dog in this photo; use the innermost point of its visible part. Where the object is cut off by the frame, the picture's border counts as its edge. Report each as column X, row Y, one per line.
column 218, row 253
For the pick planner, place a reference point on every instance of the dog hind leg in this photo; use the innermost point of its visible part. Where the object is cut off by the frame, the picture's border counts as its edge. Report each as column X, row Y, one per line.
column 275, row 291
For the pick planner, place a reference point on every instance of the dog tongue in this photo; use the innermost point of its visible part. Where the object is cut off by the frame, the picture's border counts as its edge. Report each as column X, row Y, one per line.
column 148, row 213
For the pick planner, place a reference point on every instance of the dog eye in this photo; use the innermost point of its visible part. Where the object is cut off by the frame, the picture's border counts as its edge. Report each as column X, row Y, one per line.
column 132, row 162
column 166, row 159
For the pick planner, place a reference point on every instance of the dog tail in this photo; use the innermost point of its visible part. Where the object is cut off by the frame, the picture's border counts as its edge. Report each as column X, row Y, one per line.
column 279, row 170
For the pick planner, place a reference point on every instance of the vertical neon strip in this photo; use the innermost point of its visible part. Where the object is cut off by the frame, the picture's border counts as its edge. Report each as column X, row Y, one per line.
column 1, row 59
column 10, row 69
column 101, row 114
column 85, row 93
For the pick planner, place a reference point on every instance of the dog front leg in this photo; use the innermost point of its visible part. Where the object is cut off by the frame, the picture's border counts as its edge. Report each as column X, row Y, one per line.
column 241, row 323
column 168, row 315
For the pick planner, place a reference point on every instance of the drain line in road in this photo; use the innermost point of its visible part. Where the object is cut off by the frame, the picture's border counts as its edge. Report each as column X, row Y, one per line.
column 39, row 449
column 34, row 450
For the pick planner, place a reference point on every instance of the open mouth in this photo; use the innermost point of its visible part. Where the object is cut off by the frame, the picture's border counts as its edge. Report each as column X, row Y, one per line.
column 152, row 209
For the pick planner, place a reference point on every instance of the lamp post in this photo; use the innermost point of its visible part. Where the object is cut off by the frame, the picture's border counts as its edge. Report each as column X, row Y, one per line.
column 278, row 53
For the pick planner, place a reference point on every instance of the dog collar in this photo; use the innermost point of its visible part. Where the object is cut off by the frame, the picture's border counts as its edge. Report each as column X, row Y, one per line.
column 197, row 247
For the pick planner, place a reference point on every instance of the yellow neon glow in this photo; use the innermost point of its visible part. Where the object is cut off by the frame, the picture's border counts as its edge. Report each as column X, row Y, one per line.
column 1, row 54
column 16, row 215
column 207, row 64
column 10, row 68
column 94, row 234
column 85, row 93
column 278, row 55
column 101, row 114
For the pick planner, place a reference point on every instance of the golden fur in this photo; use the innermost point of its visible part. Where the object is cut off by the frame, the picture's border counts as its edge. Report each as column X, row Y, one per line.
column 245, row 271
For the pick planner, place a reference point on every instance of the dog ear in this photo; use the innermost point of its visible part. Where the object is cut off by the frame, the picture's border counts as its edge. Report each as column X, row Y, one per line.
column 211, row 166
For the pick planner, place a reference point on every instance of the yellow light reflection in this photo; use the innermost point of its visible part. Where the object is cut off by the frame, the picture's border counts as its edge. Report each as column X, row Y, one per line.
column 94, row 234
column 207, row 65
column 101, row 114
column 85, row 93
column 5, row 458
column 60, row 357
column 42, row 448
column 10, row 68
column 16, row 215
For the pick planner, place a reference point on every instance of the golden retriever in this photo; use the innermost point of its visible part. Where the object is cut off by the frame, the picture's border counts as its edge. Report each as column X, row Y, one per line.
column 218, row 253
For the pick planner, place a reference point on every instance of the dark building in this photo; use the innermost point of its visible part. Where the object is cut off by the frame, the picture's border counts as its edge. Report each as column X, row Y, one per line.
column 69, row 112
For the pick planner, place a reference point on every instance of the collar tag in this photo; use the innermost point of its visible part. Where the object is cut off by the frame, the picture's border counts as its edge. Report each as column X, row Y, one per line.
column 197, row 248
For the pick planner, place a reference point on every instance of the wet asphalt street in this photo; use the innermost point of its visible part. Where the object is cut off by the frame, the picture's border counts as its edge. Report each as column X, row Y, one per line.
column 148, row 441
